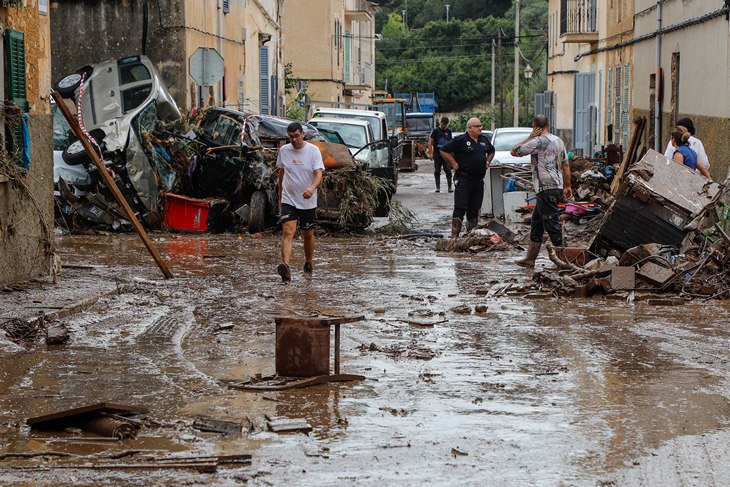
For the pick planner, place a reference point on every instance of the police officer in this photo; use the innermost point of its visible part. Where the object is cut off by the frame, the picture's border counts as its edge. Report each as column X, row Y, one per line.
column 472, row 154
column 439, row 136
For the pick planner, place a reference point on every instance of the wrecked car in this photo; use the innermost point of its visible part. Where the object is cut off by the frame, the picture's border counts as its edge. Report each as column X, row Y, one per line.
column 118, row 99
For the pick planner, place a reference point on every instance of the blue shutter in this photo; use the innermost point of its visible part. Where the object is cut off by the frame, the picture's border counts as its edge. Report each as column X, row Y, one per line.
column 625, row 108
column 348, row 48
column 264, row 80
column 274, row 95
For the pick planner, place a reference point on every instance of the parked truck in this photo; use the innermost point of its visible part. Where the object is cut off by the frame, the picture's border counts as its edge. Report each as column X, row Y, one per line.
column 395, row 111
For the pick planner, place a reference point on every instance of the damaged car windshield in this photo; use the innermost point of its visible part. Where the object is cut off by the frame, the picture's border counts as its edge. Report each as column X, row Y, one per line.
column 223, row 130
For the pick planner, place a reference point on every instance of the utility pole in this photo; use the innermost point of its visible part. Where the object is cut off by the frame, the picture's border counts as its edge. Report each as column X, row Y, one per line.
column 492, row 103
column 516, row 118
column 500, row 79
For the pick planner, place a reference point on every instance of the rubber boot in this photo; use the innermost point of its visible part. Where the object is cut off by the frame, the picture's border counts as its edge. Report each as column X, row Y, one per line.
column 438, row 183
column 532, row 251
column 471, row 224
column 455, row 227
column 451, row 187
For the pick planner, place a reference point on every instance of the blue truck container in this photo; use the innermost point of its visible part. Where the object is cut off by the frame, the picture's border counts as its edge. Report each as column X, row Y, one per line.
column 422, row 102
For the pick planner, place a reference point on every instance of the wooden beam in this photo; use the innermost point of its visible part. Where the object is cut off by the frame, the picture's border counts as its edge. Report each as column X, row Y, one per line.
column 76, row 129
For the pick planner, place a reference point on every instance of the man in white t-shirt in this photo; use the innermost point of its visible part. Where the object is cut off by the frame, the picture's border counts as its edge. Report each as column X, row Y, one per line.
column 694, row 143
column 300, row 173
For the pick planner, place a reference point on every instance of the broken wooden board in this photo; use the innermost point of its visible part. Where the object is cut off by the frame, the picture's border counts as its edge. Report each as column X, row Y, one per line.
column 284, row 425
column 655, row 274
column 218, row 426
column 295, row 384
column 62, row 419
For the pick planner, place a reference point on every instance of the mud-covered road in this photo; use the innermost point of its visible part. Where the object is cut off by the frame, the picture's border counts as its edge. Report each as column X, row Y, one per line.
column 531, row 392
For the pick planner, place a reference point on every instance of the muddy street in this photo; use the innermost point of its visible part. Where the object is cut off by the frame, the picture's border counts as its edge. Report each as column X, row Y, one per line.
column 543, row 391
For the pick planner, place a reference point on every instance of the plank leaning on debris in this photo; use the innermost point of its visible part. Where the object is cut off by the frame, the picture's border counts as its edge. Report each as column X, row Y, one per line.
column 76, row 129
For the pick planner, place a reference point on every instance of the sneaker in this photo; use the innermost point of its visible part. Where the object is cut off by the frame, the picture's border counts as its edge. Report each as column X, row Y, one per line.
column 308, row 269
column 284, row 272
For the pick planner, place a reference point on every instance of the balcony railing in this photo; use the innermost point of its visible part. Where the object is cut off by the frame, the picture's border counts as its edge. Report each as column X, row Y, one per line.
column 360, row 10
column 578, row 17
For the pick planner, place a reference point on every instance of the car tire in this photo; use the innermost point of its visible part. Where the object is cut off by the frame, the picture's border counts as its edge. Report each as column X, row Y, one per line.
column 66, row 87
column 75, row 153
column 257, row 216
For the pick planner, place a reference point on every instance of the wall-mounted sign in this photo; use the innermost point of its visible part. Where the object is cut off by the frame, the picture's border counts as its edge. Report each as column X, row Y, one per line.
column 43, row 7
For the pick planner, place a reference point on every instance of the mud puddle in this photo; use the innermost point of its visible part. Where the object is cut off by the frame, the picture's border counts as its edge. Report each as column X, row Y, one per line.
column 539, row 392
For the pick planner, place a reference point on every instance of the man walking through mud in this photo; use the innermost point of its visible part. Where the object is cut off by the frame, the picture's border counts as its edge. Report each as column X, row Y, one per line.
column 472, row 154
column 300, row 173
column 551, row 181
column 439, row 136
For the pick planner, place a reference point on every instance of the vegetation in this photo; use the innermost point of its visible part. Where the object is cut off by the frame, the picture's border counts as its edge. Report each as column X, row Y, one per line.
column 453, row 58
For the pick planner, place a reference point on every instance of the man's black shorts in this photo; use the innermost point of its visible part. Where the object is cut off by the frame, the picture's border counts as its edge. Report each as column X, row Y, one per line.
column 305, row 217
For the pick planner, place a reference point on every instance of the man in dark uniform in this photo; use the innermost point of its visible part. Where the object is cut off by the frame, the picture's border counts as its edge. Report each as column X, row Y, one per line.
column 472, row 154
column 439, row 136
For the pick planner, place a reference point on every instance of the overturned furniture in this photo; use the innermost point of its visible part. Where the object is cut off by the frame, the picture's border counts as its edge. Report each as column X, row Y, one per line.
column 659, row 201
column 303, row 354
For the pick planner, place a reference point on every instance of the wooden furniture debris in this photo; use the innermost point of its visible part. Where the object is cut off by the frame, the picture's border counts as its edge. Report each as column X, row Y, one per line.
column 104, row 419
column 303, row 354
column 631, row 154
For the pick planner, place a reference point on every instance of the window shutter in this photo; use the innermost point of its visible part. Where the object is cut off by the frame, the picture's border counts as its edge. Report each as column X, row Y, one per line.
column 264, row 80
column 609, row 112
column 15, row 68
column 226, row 6
column 625, row 113
column 15, row 63
column 348, row 48
column 617, row 104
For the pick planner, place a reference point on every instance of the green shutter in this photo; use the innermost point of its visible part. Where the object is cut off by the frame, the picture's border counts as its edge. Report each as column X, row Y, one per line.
column 15, row 64
column 609, row 118
column 15, row 69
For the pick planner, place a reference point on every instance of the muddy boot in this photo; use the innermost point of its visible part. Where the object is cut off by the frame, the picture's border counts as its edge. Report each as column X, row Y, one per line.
column 532, row 251
column 455, row 227
column 308, row 269
column 438, row 183
column 451, row 186
column 471, row 224
column 284, row 272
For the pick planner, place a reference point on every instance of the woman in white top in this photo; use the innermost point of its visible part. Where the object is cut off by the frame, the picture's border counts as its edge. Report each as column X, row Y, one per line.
column 694, row 143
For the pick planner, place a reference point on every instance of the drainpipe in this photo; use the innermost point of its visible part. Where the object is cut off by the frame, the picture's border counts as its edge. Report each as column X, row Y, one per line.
column 658, row 105
column 220, row 49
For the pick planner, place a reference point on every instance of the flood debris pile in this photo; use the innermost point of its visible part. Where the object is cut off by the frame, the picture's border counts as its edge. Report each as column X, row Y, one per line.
column 492, row 236
column 665, row 232
column 219, row 165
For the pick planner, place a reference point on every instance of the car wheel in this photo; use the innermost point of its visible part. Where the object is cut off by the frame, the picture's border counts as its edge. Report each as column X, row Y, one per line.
column 67, row 86
column 75, row 153
column 257, row 218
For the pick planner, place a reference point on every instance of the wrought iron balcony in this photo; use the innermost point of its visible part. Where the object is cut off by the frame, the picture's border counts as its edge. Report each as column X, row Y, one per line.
column 359, row 10
column 578, row 21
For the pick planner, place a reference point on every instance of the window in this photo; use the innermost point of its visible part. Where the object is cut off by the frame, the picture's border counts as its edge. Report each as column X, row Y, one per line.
column 134, row 97
column 131, row 73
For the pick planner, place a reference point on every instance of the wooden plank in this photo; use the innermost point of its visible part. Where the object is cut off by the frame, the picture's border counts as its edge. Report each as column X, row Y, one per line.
column 218, row 426
column 283, row 425
column 102, row 406
column 76, row 129
column 323, row 320
column 297, row 384
column 630, row 155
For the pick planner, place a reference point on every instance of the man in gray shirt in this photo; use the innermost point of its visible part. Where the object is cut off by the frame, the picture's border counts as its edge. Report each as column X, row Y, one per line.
column 551, row 182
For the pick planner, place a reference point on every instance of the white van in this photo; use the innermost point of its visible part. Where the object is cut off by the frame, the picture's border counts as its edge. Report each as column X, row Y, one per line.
column 356, row 134
column 385, row 164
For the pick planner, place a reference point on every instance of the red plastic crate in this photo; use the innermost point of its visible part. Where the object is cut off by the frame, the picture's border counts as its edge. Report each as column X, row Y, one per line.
column 186, row 214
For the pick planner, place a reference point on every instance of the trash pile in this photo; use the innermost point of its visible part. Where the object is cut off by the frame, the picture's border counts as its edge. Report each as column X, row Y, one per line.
column 665, row 232
column 591, row 180
column 491, row 236
column 215, row 171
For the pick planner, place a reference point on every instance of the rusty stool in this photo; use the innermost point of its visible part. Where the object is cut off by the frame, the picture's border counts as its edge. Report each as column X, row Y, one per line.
column 303, row 344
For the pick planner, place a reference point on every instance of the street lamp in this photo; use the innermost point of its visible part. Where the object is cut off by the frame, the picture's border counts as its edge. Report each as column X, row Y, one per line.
column 447, row 12
column 528, row 76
